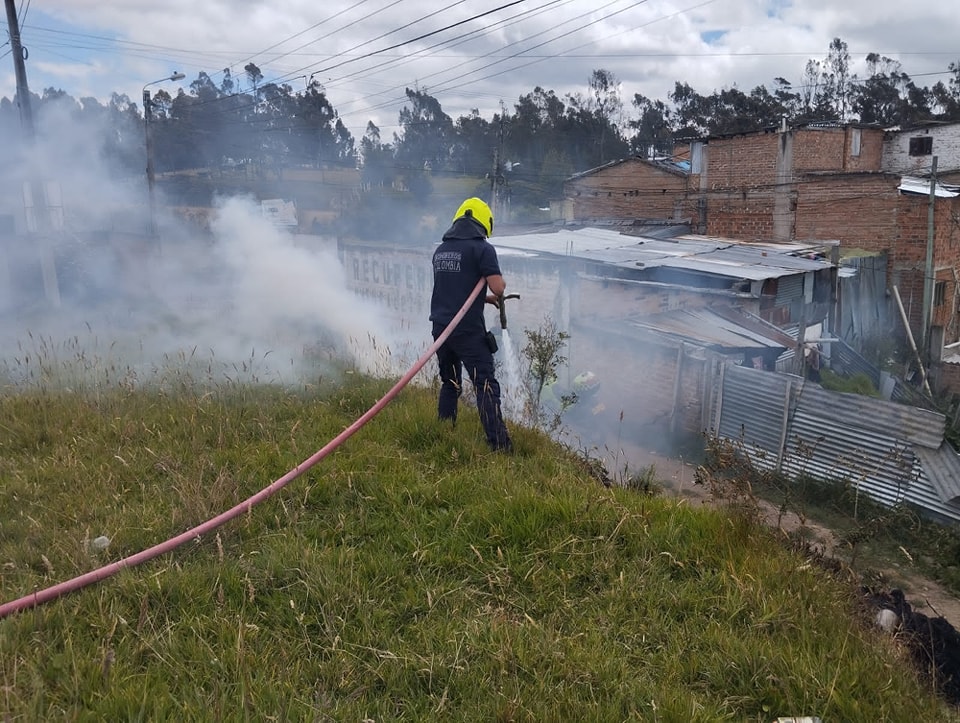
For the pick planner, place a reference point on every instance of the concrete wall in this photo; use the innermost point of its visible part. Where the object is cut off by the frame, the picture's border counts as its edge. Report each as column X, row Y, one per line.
column 945, row 145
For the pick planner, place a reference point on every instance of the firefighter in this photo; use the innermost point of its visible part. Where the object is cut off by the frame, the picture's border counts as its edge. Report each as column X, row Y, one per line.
column 463, row 258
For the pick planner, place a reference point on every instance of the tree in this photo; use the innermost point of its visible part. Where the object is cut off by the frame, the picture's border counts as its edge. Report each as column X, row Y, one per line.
column 535, row 129
column 544, row 358
column 316, row 121
column 226, row 85
column 588, row 131
column 427, row 133
column 556, row 168
column 255, row 76
column 838, row 68
column 878, row 99
column 605, row 96
column 690, row 109
column 653, row 130
column 947, row 96
column 344, row 146
column 810, row 92
column 476, row 143
column 788, row 99
column 376, row 159
column 198, row 118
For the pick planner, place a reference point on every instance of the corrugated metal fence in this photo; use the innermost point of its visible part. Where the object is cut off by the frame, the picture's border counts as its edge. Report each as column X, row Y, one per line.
column 891, row 452
column 845, row 360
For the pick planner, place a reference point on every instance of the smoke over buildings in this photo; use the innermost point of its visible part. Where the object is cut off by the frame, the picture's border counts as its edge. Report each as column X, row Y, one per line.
column 79, row 265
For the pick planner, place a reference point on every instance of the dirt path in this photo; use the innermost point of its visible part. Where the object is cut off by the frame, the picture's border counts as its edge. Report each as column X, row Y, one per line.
column 677, row 478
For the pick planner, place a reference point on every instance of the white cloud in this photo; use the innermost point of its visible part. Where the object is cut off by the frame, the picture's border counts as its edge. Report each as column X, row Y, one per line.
column 761, row 40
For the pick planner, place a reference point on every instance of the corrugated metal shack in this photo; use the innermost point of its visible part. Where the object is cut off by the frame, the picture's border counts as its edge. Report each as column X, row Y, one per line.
column 681, row 331
column 890, row 452
column 645, row 311
column 700, row 359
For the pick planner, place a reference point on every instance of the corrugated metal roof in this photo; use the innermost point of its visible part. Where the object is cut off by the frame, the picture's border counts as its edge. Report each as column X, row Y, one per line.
column 665, row 163
column 718, row 257
column 705, row 328
column 564, row 242
column 921, row 186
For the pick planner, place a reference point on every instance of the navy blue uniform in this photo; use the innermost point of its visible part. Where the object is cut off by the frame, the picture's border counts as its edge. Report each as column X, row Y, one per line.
column 462, row 259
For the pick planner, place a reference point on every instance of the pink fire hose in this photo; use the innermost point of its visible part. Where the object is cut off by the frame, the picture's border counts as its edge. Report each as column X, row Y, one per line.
column 101, row 573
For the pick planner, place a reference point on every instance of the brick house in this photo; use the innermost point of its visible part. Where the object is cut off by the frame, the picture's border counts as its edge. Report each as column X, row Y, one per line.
column 827, row 182
column 635, row 188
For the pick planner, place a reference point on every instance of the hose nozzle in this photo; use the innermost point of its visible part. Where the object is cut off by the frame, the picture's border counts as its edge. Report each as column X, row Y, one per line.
column 503, row 308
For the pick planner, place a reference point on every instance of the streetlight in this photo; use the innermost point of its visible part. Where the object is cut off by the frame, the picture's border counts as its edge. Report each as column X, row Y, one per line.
column 147, row 113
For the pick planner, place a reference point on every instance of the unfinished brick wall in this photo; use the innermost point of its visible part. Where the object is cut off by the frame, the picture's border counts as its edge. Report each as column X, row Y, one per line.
column 833, row 149
column 746, row 216
column 858, row 210
column 748, row 161
column 751, row 161
column 632, row 189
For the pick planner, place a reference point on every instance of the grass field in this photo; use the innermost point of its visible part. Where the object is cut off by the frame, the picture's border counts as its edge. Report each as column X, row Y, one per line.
column 411, row 575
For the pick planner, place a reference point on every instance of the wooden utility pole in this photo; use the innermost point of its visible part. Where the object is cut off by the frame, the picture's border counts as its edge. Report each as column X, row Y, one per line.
column 35, row 190
column 151, row 176
column 16, row 49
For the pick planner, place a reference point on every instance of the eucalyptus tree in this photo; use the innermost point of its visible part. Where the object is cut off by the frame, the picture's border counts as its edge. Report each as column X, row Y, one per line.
column 535, row 128
column 376, row 159
column 607, row 107
column 653, row 129
column 427, row 133
column 477, row 143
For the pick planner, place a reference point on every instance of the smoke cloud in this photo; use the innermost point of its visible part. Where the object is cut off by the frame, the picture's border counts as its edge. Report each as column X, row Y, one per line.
column 247, row 298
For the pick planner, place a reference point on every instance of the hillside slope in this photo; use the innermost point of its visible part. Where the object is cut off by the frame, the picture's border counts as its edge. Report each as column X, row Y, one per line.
column 411, row 575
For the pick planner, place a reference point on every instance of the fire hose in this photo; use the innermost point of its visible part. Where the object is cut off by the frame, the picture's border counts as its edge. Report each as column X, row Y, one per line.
column 101, row 573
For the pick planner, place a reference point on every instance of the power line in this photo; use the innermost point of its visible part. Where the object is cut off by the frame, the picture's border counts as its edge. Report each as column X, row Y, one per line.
column 473, row 18
column 314, row 27
column 477, row 16
column 521, row 52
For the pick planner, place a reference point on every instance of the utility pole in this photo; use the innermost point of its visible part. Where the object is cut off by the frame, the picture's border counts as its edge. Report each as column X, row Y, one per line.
column 16, row 49
column 148, row 133
column 928, row 279
column 496, row 177
column 151, row 176
column 35, row 189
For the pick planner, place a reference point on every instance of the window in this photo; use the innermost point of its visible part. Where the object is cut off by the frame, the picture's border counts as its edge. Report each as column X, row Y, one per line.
column 696, row 157
column 939, row 293
column 921, row 146
column 855, row 140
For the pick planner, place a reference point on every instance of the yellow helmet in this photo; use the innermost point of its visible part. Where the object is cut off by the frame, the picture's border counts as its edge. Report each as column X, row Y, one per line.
column 478, row 211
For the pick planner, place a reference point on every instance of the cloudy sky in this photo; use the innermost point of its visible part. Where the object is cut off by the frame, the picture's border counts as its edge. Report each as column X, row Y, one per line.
column 467, row 53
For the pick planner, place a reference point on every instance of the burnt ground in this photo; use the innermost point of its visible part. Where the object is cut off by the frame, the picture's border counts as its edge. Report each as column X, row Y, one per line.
column 927, row 615
column 933, row 642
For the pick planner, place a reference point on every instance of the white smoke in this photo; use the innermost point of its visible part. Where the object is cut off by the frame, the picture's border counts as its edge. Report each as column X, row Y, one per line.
column 250, row 302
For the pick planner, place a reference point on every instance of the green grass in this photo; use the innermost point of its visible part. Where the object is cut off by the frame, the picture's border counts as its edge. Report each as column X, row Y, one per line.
column 411, row 575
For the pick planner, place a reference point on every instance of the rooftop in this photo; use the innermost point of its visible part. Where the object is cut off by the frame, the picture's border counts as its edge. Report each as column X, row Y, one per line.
column 691, row 252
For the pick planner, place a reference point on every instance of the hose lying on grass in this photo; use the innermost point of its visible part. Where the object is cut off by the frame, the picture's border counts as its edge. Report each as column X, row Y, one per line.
column 101, row 573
